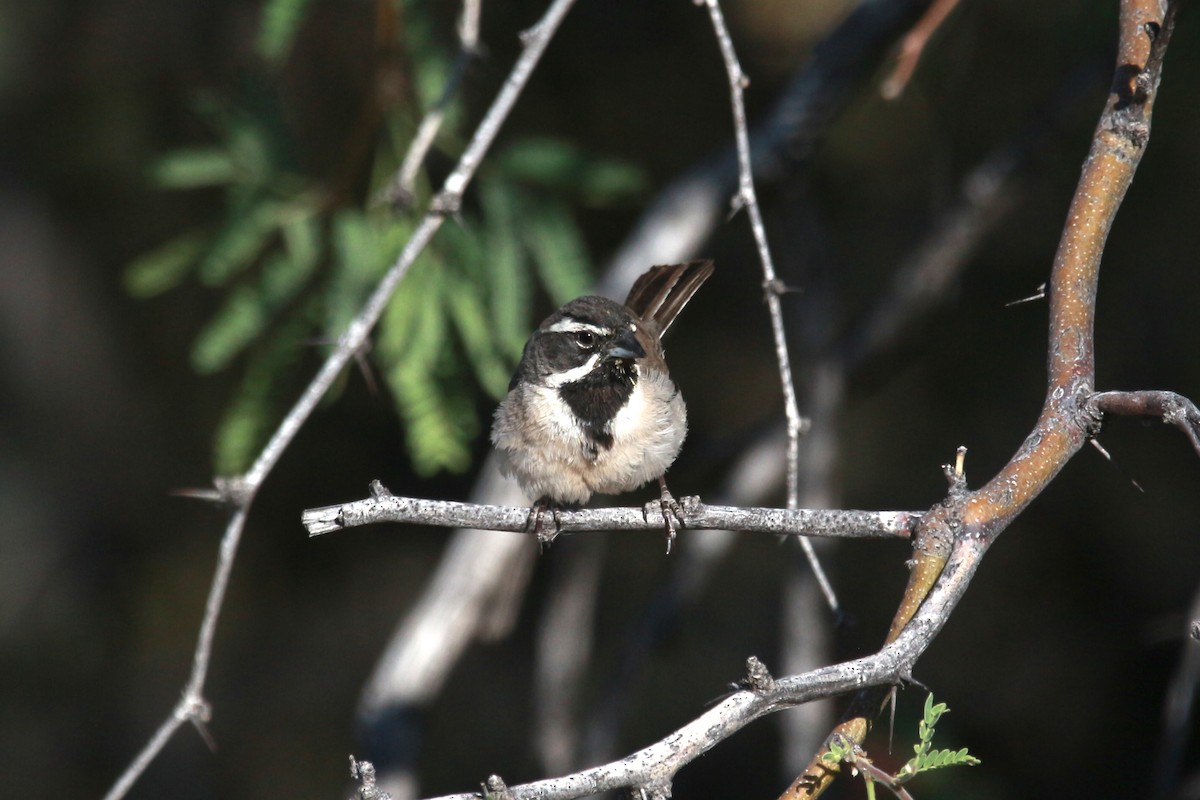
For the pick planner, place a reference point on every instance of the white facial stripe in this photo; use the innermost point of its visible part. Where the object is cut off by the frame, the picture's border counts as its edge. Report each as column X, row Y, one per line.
column 572, row 375
column 569, row 325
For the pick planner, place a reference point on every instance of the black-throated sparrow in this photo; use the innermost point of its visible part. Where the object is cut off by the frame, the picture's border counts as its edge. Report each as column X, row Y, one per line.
column 592, row 407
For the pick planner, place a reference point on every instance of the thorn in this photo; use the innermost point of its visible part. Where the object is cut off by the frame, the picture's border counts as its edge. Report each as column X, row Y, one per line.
column 209, row 495
column 778, row 288
column 225, row 492
column 959, row 458
column 736, row 204
column 892, row 694
column 1108, row 456
column 1038, row 294
column 528, row 35
column 364, row 369
column 199, row 713
column 379, row 491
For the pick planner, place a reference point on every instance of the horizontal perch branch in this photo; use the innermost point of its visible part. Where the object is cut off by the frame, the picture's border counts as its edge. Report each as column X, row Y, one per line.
column 383, row 506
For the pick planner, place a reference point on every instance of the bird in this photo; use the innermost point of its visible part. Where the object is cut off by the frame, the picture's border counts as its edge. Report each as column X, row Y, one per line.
column 591, row 408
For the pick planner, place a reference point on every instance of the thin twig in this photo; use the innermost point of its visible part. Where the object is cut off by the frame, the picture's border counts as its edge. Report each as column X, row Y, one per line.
column 401, row 189
column 913, row 46
column 1171, row 408
column 747, row 199
column 688, row 210
column 241, row 492
column 695, row 515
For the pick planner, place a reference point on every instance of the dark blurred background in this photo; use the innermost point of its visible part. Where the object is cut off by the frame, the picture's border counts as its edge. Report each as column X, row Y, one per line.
column 1055, row 664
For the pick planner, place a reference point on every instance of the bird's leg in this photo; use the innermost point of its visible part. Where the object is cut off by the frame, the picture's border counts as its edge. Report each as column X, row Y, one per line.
column 537, row 514
column 670, row 508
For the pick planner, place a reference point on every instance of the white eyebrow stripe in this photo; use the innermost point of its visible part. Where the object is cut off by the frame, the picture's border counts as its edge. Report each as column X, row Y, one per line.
column 570, row 376
column 569, row 325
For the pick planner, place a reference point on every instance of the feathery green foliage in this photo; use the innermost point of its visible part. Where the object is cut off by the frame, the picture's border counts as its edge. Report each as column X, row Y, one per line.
column 840, row 750
column 294, row 259
column 281, row 20
column 926, row 757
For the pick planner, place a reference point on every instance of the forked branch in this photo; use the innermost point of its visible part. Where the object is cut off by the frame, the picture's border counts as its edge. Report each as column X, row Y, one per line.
column 1068, row 417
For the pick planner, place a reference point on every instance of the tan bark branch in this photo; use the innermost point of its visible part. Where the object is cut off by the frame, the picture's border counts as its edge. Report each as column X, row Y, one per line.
column 1067, row 418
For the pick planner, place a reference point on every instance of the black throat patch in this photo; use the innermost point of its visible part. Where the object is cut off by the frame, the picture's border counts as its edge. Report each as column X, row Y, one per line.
column 596, row 398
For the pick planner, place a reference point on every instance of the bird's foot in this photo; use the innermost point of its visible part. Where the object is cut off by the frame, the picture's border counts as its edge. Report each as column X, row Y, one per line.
column 537, row 519
column 671, row 511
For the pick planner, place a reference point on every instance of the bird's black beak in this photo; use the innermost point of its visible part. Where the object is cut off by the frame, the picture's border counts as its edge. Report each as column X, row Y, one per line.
column 625, row 346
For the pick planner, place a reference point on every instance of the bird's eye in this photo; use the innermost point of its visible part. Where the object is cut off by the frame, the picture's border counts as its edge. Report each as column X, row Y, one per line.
column 585, row 339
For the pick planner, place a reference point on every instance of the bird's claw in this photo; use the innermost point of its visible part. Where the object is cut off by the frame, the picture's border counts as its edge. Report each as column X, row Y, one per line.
column 537, row 517
column 671, row 511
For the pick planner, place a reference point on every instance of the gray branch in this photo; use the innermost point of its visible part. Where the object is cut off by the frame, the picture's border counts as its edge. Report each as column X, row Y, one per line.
column 651, row 769
column 240, row 492
column 382, row 506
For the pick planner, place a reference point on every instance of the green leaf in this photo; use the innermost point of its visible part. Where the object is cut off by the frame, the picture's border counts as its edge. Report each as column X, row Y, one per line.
column 558, row 252
column 357, row 265
column 165, row 266
column 435, row 432
column 471, row 320
column 559, row 166
column 239, row 243
column 412, row 337
column 281, row 20
column 255, row 151
column 249, row 309
column 933, row 712
column 511, row 294
column 285, row 274
column 239, row 321
column 253, row 414
column 193, row 168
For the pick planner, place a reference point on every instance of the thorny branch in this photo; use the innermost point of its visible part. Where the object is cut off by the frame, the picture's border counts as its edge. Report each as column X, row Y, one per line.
column 652, row 768
column 1068, row 417
column 746, row 198
column 240, row 492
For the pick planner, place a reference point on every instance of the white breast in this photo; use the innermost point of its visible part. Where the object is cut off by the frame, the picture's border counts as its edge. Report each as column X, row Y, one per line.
column 542, row 445
column 647, row 435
